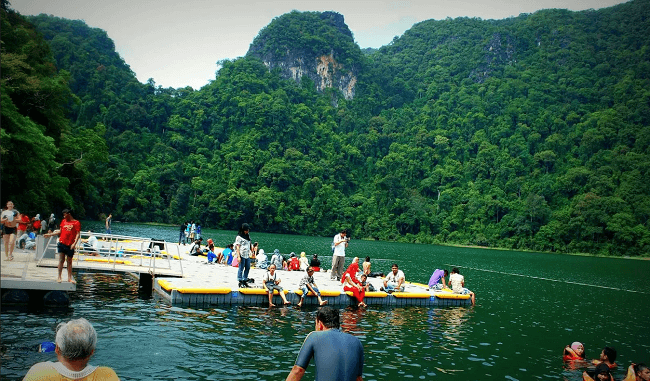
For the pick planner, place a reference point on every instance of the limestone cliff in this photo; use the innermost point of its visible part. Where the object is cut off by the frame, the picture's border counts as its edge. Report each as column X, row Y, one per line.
column 315, row 45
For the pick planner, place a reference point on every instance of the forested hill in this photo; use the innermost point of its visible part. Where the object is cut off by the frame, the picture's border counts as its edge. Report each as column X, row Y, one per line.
column 530, row 132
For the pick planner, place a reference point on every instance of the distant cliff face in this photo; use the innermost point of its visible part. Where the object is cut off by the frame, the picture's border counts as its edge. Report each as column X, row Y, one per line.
column 300, row 47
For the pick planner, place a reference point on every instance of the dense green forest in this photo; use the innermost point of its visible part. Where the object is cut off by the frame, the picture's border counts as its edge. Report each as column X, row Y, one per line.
column 530, row 132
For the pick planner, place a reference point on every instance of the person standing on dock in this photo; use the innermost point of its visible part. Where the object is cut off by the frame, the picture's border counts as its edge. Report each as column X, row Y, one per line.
column 69, row 232
column 181, row 236
column 10, row 218
column 338, row 355
column 109, row 221
column 338, row 258
column 243, row 249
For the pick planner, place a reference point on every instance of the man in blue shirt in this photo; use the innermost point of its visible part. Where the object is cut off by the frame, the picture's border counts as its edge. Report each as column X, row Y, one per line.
column 338, row 356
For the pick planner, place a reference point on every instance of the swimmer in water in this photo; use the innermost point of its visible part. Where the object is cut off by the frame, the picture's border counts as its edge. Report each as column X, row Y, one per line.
column 576, row 351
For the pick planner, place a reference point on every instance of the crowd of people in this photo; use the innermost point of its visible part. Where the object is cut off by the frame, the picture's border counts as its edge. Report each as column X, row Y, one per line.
column 600, row 369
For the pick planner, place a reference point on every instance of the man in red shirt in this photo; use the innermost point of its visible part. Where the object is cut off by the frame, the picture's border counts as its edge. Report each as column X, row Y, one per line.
column 22, row 225
column 69, row 232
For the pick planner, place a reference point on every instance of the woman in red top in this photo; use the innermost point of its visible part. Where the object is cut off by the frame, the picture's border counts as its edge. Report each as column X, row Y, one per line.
column 351, row 283
column 69, row 232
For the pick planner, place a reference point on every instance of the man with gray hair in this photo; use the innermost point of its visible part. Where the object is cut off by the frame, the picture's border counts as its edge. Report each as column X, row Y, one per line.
column 75, row 345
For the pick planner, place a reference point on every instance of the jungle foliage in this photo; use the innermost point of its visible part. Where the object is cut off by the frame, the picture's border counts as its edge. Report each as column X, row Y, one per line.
column 528, row 133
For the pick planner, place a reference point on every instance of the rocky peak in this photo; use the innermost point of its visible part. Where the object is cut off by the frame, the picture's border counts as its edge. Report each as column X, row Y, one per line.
column 317, row 45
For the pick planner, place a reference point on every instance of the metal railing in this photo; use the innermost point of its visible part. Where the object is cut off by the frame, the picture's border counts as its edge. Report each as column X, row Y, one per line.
column 112, row 247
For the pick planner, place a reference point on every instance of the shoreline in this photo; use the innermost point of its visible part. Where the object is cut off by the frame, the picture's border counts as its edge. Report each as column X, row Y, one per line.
column 643, row 258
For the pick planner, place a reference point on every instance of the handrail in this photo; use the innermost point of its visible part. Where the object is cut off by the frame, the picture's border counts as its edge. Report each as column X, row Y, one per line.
column 110, row 246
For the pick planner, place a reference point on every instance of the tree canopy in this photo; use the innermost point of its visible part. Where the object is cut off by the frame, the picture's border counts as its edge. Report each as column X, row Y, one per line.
column 529, row 133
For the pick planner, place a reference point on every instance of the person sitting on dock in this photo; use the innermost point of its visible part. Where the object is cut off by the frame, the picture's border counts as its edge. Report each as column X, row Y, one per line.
column 75, row 345
column 226, row 255
column 307, row 284
column 277, row 259
column 315, row 263
column 195, row 249
column 394, row 280
column 91, row 246
column 366, row 266
column 272, row 282
column 69, row 232
column 457, row 282
column 352, row 284
column 261, row 261
column 337, row 355
column 607, row 357
column 304, row 263
column 294, row 262
column 438, row 276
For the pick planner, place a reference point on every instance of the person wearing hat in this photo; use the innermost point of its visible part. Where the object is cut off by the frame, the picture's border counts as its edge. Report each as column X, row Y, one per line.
column 304, row 263
column 69, row 232
column 243, row 249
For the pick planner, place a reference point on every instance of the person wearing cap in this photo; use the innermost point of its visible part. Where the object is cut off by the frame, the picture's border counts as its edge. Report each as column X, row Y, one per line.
column 243, row 249
column 338, row 355
column 69, row 232
column 74, row 346
column 36, row 224
column 304, row 263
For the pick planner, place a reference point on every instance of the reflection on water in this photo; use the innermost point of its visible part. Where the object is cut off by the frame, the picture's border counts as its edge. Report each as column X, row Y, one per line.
column 516, row 331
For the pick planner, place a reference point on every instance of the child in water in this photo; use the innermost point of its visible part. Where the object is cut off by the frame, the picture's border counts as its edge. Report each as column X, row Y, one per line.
column 576, row 351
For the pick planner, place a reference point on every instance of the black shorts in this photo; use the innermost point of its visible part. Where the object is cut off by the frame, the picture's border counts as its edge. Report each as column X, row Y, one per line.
column 9, row 230
column 65, row 249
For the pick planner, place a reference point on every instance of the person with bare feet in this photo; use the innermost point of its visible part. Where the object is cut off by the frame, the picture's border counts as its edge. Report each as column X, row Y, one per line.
column 10, row 219
column 271, row 283
column 307, row 284
column 352, row 284
column 68, row 233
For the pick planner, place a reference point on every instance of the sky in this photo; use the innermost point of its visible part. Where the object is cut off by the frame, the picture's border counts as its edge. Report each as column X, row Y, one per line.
column 178, row 43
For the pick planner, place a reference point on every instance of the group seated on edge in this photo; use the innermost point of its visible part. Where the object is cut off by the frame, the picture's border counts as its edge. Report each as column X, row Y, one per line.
column 271, row 283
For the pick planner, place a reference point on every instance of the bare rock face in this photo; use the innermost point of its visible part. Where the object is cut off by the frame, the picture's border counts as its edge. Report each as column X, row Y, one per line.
column 296, row 61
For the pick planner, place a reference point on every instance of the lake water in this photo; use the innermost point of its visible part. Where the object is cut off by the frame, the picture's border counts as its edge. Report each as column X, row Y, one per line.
column 528, row 307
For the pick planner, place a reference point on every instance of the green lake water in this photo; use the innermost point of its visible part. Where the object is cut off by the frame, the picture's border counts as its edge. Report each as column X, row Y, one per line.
column 528, row 307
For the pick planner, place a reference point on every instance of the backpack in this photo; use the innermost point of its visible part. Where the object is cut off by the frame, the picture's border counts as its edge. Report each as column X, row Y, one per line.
column 295, row 264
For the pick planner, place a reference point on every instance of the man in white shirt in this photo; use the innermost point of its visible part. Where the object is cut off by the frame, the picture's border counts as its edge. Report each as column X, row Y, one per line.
column 338, row 258
column 457, row 282
column 395, row 279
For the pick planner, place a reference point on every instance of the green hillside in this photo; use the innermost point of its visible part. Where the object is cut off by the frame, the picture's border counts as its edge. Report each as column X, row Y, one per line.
column 528, row 133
